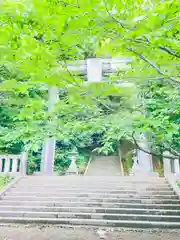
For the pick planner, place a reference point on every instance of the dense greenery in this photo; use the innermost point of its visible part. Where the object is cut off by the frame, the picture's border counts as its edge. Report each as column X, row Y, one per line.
column 39, row 38
column 4, row 180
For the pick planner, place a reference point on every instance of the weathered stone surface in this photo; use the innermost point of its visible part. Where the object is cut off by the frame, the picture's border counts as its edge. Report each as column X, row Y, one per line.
column 104, row 201
column 104, row 166
column 55, row 233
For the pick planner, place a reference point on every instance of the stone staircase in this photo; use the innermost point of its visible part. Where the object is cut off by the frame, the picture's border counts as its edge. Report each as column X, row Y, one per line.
column 146, row 202
column 104, row 166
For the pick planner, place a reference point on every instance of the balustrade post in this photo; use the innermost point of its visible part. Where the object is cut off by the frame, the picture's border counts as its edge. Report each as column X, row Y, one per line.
column 7, row 164
column 14, row 164
column 1, row 161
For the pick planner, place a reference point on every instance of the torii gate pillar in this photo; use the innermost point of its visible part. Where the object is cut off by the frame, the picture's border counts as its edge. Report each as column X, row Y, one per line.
column 94, row 69
column 94, row 74
column 48, row 154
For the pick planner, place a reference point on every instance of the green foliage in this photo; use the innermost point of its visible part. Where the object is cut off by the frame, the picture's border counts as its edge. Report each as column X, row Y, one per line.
column 128, row 161
column 63, row 154
column 37, row 41
column 62, row 159
column 34, row 162
column 82, row 159
column 4, row 180
column 163, row 116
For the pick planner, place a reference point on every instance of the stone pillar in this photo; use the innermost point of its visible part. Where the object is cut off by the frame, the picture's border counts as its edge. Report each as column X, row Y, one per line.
column 94, row 69
column 23, row 163
column 47, row 160
column 53, row 94
column 176, row 166
column 167, row 164
column 144, row 159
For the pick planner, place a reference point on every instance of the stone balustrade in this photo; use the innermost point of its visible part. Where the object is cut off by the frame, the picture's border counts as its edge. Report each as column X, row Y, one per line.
column 172, row 171
column 13, row 164
column 171, row 166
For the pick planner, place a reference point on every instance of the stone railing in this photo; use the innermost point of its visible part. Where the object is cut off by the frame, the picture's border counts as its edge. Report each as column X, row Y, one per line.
column 172, row 171
column 13, row 164
column 171, row 165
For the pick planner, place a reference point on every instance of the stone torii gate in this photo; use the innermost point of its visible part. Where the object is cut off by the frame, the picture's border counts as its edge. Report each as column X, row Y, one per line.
column 94, row 69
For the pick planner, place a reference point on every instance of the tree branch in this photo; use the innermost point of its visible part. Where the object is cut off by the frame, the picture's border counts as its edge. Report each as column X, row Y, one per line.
column 169, row 51
column 146, row 60
column 173, row 152
column 65, row 4
column 115, row 20
column 150, row 152
column 3, row 23
column 147, row 42
column 152, row 65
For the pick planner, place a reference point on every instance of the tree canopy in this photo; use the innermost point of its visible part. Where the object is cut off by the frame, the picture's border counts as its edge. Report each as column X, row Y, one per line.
column 38, row 40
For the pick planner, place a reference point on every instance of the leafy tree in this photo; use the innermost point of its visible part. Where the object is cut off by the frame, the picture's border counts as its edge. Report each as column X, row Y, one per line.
column 39, row 38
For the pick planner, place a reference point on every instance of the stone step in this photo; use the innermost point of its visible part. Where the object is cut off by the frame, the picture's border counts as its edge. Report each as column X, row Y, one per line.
column 96, row 179
column 61, row 192
column 91, row 183
column 79, row 177
column 102, row 196
column 103, row 181
column 93, row 199
column 74, row 185
column 32, row 208
column 94, row 204
column 93, row 222
column 138, row 194
column 107, row 216
column 91, row 188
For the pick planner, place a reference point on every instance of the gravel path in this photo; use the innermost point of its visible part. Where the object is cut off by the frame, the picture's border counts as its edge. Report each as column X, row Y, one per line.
column 58, row 233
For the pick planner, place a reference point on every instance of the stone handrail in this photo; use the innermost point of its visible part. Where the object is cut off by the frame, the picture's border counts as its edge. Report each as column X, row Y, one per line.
column 13, row 164
column 172, row 180
column 172, row 172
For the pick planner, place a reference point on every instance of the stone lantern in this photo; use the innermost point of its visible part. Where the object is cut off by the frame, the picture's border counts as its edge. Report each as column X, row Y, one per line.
column 73, row 170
